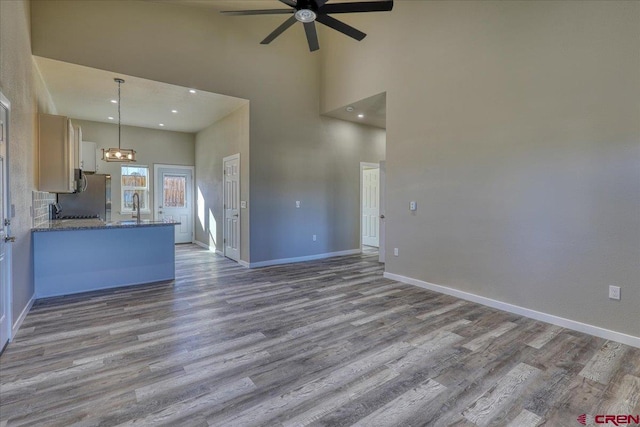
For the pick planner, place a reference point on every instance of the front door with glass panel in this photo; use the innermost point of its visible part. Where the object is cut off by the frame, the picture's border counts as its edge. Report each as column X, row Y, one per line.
column 175, row 200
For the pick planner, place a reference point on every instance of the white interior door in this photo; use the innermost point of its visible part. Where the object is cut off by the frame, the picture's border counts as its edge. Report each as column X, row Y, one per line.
column 174, row 197
column 232, row 207
column 370, row 206
column 5, row 271
column 381, row 232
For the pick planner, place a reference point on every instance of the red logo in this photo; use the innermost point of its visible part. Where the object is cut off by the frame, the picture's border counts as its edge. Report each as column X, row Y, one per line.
column 616, row 420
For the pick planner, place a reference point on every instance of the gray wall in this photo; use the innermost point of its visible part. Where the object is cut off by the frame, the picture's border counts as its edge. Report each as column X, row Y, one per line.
column 22, row 85
column 288, row 138
column 227, row 136
column 152, row 146
column 516, row 127
column 324, row 175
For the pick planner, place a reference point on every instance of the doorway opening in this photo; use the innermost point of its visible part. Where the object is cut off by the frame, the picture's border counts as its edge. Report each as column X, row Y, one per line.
column 5, row 238
column 369, row 207
column 231, row 208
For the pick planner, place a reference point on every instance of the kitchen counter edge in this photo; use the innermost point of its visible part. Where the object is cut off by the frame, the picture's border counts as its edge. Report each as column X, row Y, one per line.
column 96, row 224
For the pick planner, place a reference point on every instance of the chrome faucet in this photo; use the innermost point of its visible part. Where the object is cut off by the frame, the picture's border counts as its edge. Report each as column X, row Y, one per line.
column 136, row 205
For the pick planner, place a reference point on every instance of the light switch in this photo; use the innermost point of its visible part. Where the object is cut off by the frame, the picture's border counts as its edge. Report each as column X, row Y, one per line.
column 297, row 203
column 243, row 204
column 413, row 205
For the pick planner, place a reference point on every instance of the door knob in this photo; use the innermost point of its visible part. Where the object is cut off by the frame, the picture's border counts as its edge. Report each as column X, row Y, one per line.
column 10, row 239
column 235, row 215
column 381, row 216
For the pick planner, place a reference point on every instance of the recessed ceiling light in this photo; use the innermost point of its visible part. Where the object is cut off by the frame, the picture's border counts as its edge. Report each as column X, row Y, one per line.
column 161, row 124
column 360, row 116
column 192, row 91
column 174, row 111
column 110, row 118
column 113, row 101
column 349, row 108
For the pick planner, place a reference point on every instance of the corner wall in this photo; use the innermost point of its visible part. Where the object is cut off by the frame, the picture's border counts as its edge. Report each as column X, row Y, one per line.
column 22, row 85
column 516, row 128
column 227, row 136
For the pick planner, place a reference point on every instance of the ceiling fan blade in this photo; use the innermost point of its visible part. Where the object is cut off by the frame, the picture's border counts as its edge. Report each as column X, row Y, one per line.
column 258, row 12
column 289, row 2
column 312, row 35
column 320, row 3
column 341, row 26
column 364, row 6
column 281, row 29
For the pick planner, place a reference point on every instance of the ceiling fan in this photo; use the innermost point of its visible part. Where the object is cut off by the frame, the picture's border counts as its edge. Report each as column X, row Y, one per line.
column 309, row 11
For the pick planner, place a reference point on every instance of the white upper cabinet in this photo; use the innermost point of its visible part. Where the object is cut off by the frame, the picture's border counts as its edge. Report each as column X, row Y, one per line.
column 57, row 154
column 88, row 153
column 77, row 146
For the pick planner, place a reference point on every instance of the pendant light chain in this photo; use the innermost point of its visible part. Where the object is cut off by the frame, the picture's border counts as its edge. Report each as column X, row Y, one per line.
column 118, row 154
column 119, row 130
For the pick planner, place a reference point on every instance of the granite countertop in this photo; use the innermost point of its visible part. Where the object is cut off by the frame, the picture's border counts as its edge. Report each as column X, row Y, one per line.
column 98, row 224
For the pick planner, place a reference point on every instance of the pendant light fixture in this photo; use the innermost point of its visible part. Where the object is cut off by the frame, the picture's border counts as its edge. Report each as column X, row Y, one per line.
column 119, row 154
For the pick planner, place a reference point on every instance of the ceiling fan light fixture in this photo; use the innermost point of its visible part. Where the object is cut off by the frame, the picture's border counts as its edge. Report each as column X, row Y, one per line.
column 305, row 15
column 310, row 11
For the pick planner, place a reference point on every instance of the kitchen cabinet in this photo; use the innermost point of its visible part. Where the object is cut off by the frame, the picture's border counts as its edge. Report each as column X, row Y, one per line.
column 56, row 154
column 88, row 155
column 77, row 146
column 101, row 255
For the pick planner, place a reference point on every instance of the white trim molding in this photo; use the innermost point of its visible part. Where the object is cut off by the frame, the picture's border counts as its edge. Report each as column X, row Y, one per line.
column 302, row 258
column 217, row 251
column 522, row 311
column 202, row 245
column 18, row 323
column 208, row 247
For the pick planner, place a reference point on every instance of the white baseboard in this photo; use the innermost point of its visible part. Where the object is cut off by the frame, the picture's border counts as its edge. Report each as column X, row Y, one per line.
column 526, row 312
column 244, row 263
column 27, row 308
column 218, row 252
column 202, row 245
column 303, row 258
column 205, row 246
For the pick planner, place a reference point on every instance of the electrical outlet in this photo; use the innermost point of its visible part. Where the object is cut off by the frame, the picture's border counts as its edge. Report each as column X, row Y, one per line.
column 614, row 292
column 395, row 251
column 413, row 206
column 314, row 237
column 297, row 203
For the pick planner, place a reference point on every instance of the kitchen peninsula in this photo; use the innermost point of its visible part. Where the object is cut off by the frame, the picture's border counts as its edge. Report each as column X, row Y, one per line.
column 73, row 256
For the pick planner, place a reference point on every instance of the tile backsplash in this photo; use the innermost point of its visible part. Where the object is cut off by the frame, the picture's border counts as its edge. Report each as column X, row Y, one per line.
column 40, row 202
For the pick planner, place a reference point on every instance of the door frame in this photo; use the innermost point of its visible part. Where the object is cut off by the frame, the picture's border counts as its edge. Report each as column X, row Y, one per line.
column 363, row 166
column 156, row 192
column 382, row 231
column 7, row 294
column 224, row 210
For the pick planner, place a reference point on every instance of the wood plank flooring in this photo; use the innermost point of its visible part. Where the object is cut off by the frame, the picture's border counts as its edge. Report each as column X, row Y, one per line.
column 322, row 343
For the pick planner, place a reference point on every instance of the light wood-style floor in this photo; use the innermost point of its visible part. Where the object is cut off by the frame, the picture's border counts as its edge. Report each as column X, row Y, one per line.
column 328, row 343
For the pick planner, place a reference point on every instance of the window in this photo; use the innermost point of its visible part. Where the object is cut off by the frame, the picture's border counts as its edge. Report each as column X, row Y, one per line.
column 175, row 189
column 134, row 179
